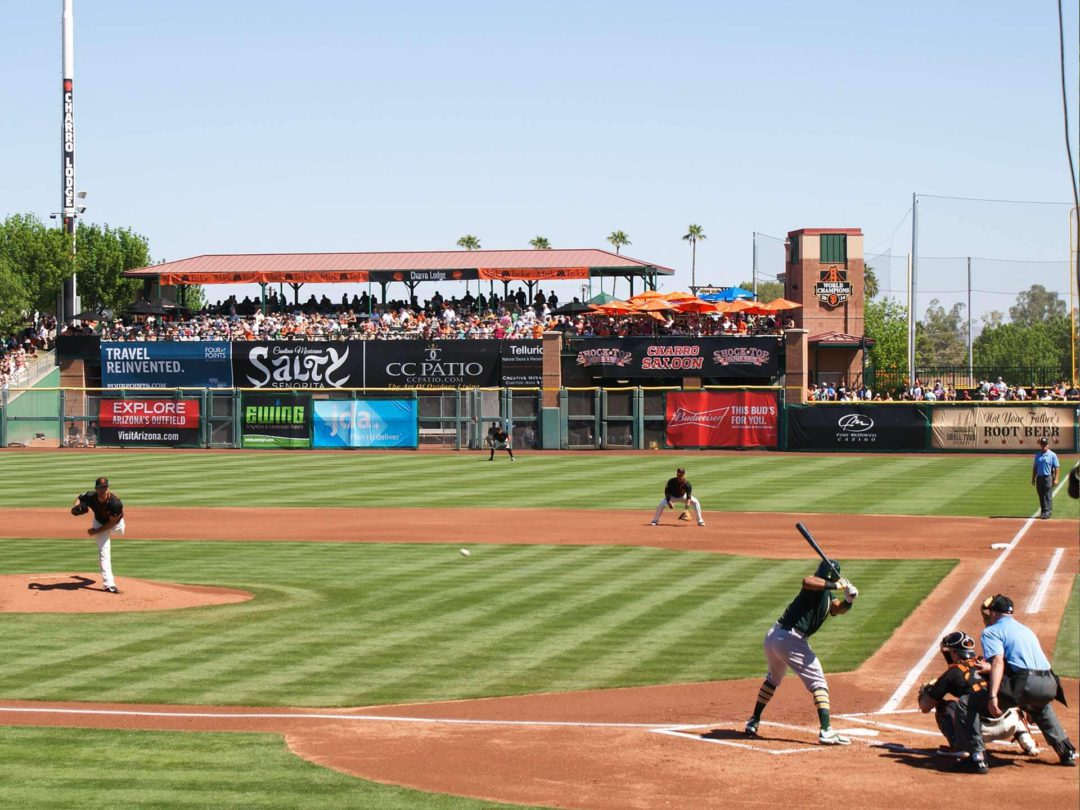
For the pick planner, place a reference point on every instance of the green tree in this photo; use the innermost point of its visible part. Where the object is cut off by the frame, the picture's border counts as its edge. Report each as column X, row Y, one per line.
column 469, row 242
column 693, row 235
column 40, row 257
column 619, row 240
column 766, row 290
column 1036, row 305
column 870, row 283
column 102, row 255
column 540, row 243
column 14, row 301
column 886, row 323
column 1041, row 345
column 941, row 337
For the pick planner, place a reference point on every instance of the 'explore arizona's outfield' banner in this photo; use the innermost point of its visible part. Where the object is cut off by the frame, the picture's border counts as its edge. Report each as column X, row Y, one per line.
column 998, row 427
column 722, row 419
column 171, row 422
column 366, row 423
column 275, row 420
column 179, row 364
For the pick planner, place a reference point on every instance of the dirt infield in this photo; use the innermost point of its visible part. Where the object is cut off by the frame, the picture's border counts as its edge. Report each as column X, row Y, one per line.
column 83, row 593
column 667, row 746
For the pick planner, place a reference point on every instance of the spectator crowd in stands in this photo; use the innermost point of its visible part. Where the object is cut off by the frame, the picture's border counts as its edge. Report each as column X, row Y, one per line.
column 985, row 391
column 439, row 318
column 18, row 351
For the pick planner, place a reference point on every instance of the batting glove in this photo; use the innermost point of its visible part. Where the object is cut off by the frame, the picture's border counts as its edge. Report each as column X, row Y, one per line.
column 850, row 592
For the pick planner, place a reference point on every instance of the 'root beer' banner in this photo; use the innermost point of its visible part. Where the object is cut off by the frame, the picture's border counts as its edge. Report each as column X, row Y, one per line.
column 171, row 422
column 1002, row 427
column 722, row 419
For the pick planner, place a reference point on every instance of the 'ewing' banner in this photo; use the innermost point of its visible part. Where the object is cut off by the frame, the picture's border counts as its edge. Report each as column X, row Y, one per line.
column 1002, row 427
column 276, row 420
column 722, row 419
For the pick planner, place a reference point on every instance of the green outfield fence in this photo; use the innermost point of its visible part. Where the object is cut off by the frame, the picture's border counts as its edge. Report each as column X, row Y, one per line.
column 618, row 418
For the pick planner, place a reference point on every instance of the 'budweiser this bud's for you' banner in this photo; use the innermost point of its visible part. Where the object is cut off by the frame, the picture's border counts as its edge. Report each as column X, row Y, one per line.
column 722, row 419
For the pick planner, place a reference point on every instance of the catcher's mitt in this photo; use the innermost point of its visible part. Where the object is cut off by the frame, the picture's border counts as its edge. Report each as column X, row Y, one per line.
column 80, row 509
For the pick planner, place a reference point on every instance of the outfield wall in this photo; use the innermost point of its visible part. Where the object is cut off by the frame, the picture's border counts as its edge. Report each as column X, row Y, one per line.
column 627, row 418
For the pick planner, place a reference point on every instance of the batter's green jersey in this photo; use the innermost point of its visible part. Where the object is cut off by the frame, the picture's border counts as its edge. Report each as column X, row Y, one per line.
column 807, row 611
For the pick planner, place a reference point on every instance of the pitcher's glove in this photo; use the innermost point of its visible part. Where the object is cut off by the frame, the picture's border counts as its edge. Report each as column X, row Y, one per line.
column 80, row 509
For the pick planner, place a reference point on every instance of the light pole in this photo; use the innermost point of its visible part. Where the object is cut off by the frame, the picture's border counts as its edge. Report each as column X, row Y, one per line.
column 68, row 297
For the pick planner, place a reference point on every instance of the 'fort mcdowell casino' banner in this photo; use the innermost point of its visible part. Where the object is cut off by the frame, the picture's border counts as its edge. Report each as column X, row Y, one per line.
column 1002, row 427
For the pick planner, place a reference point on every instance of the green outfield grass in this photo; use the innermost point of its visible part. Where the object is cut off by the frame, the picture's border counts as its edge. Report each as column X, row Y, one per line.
column 58, row 767
column 1067, row 649
column 918, row 485
column 346, row 624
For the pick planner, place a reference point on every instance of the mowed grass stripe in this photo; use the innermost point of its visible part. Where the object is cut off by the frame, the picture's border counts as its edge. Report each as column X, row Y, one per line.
column 921, row 485
column 393, row 623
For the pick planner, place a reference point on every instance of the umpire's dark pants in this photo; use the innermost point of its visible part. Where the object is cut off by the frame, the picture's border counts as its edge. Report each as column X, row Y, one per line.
column 1033, row 690
column 1044, row 485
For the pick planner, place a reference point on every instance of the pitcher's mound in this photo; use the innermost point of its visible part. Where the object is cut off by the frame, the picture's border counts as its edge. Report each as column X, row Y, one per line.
column 83, row 593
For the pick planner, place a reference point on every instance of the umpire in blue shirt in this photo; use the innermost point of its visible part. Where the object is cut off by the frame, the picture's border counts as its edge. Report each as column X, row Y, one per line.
column 1020, row 674
column 1044, row 476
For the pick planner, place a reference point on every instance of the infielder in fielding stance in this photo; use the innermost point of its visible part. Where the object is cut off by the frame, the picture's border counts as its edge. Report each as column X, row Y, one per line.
column 499, row 439
column 108, row 520
column 965, row 680
column 786, row 645
column 678, row 489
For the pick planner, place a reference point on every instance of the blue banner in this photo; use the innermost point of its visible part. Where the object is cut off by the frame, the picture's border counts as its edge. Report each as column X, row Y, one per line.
column 173, row 364
column 366, row 423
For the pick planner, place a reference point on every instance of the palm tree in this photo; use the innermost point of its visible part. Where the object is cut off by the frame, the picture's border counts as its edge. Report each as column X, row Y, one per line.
column 693, row 234
column 870, row 282
column 619, row 239
column 540, row 243
column 469, row 242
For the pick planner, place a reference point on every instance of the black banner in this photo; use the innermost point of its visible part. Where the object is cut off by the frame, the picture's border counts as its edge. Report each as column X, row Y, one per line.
column 386, row 276
column 276, row 420
column 429, row 364
column 298, row 364
column 858, row 426
column 522, row 363
column 715, row 357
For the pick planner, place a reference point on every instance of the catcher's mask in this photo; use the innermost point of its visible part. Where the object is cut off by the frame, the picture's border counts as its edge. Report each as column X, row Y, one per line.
column 828, row 570
column 958, row 642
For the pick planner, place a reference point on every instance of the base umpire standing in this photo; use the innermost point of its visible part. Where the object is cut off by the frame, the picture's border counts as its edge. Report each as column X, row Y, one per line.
column 108, row 520
column 1044, row 477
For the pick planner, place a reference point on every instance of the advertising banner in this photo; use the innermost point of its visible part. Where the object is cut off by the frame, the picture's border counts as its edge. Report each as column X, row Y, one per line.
column 1002, row 427
column 715, row 357
column 177, row 364
column 170, row 422
column 386, row 276
column 275, row 420
column 856, row 426
column 722, row 419
column 366, row 423
column 298, row 364
column 430, row 364
column 521, row 363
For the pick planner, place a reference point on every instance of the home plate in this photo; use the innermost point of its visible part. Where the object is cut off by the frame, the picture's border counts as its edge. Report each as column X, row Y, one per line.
column 998, row 546
column 860, row 732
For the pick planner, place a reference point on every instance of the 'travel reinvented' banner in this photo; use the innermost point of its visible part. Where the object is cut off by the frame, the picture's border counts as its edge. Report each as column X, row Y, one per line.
column 716, row 357
column 171, row 422
column 1002, row 427
column 179, row 364
column 851, row 426
column 722, row 419
column 366, row 423
column 276, row 420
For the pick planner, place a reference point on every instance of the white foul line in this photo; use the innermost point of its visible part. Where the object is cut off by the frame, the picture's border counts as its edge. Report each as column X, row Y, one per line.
column 909, row 679
column 1044, row 584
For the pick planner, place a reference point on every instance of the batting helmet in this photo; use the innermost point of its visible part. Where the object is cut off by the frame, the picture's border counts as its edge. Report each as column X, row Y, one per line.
column 828, row 570
column 958, row 642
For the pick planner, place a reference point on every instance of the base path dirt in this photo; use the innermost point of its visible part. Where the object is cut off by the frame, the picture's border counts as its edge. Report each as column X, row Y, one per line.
column 666, row 746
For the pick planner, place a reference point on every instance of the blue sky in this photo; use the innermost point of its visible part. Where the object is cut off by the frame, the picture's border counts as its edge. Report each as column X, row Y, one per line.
column 235, row 126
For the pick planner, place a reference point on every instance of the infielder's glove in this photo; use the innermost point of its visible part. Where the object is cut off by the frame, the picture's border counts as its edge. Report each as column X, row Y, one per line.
column 80, row 509
column 685, row 515
column 669, row 506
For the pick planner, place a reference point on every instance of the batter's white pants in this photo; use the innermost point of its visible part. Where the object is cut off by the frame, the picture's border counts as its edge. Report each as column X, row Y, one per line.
column 788, row 648
column 690, row 499
column 105, row 552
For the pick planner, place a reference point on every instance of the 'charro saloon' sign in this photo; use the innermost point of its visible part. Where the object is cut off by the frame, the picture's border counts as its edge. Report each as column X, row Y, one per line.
column 834, row 288
column 709, row 357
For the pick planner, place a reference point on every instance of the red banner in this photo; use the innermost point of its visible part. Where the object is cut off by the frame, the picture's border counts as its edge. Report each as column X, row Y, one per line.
column 149, row 413
column 722, row 419
column 531, row 273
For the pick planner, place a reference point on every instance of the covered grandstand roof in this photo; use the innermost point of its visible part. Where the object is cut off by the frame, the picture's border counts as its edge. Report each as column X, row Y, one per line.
column 405, row 266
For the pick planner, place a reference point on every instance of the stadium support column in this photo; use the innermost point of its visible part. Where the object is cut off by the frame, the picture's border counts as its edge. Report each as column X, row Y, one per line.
column 796, row 382
column 550, row 421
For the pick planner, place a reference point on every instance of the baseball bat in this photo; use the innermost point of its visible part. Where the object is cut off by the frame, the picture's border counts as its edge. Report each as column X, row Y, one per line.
column 805, row 532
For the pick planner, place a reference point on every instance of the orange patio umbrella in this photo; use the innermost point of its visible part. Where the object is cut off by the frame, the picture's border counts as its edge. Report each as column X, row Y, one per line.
column 654, row 305
column 781, row 304
column 680, row 295
column 695, row 305
column 646, row 295
column 615, row 307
